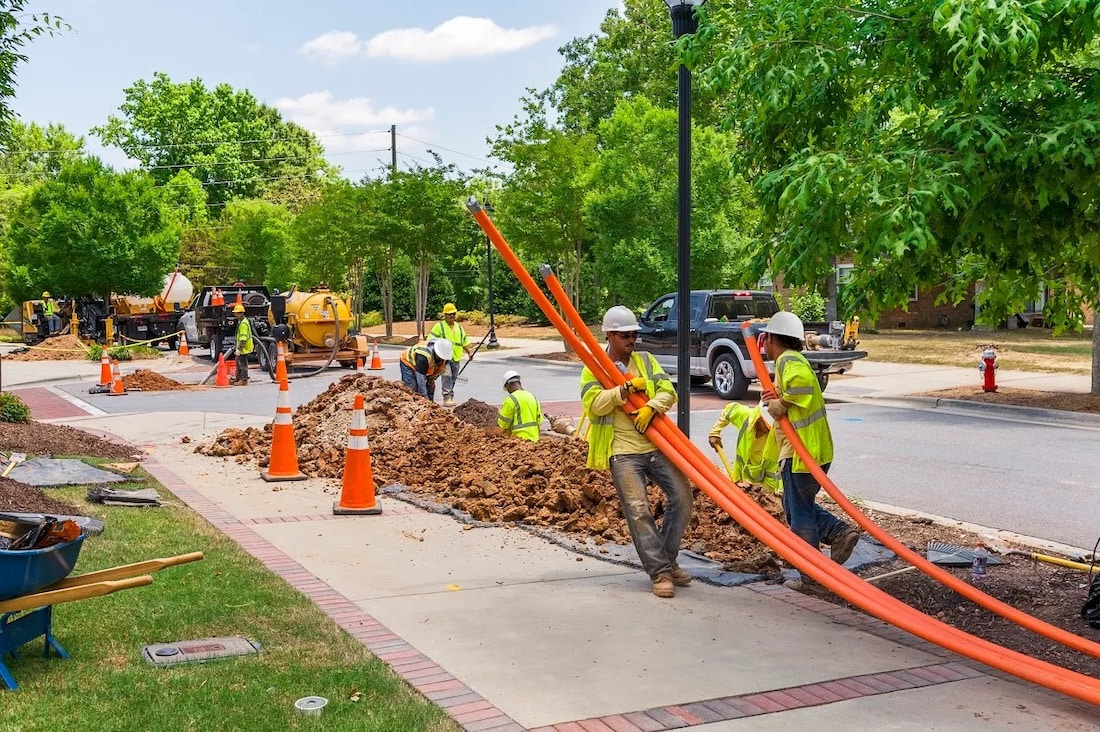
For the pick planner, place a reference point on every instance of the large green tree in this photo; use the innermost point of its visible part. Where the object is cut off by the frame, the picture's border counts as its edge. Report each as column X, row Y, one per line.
column 35, row 154
column 935, row 141
column 17, row 29
column 237, row 147
column 91, row 230
column 254, row 243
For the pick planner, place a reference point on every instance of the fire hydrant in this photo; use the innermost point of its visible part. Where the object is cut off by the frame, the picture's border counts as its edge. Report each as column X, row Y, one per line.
column 988, row 369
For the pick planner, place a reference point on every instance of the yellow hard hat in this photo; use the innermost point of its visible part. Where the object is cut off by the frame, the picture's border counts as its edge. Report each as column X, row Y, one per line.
column 46, row 293
column 449, row 308
column 238, row 308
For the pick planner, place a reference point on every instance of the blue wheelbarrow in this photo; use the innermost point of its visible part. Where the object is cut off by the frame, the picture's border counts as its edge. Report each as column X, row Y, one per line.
column 32, row 581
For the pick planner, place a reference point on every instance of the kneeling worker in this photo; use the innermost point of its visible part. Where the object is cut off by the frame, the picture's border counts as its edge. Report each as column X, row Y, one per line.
column 421, row 365
column 520, row 415
column 756, row 453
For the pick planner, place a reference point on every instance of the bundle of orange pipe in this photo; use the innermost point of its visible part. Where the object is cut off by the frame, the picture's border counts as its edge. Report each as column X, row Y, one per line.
column 743, row 509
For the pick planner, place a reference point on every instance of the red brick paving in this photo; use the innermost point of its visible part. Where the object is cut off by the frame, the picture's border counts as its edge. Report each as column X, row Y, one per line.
column 44, row 404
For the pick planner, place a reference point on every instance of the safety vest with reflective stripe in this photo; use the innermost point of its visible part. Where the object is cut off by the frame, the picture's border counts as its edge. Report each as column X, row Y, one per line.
column 244, row 337
column 435, row 364
column 456, row 335
column 601, row 432
column 757, row 466
column 794, row 377
column 49, row 307
column 521, row 415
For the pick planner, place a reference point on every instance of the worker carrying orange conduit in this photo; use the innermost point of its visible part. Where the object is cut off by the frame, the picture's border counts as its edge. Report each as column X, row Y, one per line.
column 743, row 509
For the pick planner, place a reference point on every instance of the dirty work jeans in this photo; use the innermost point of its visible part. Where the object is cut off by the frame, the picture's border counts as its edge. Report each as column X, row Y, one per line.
column 657, row 548
column 419, row 383
column 449, row 376
column 807, row 519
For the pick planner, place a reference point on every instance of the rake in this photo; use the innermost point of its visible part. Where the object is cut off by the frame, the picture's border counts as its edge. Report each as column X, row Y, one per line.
column 459, row 378
column 952, row 555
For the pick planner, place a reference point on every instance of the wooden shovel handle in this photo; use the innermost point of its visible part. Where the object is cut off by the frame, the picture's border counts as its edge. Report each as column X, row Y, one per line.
column 82, row 592
column 126, row 570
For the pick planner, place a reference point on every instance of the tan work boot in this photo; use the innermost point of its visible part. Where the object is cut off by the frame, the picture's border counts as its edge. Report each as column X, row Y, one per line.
column 448, row 401
column 843, row 546
column 663, row 585
column 680, row 577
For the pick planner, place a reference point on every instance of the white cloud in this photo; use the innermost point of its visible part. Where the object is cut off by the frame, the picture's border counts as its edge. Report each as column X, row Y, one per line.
column 332, row 47
column 340, row 123
column 459, row 37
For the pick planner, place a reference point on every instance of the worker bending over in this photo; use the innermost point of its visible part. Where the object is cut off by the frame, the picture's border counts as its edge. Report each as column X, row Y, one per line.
column 756, row 452
column 521, row 414
column 449, row 330
column 798, row 396
column 421, row 365
column 244, row 344
column 617, row 440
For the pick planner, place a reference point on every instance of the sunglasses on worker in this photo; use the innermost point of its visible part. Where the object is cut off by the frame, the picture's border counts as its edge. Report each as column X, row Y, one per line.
column 629, row 335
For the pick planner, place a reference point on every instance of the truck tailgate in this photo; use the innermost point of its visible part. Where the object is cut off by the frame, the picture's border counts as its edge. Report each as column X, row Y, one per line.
column 823, row 359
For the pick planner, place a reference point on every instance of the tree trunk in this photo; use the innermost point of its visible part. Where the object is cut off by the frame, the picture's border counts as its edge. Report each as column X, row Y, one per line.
column 422, row 272
column 1096, row 348
column 385, row 275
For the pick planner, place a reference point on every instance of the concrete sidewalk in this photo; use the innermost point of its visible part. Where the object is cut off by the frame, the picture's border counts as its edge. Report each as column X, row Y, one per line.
column 509, row 632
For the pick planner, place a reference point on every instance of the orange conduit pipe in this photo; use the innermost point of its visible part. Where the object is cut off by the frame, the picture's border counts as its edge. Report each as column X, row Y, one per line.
column 949, row 580
column 705, row 474
column 782, row 535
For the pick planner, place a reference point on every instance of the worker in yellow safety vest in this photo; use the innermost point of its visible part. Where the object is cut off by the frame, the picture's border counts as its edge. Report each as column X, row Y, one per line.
column 617, row 440
column 244, row 344
column 49, row 311
column 756, row 453
column 798, row 397
column 421, row 365
column 521, row 414
column 454, row 332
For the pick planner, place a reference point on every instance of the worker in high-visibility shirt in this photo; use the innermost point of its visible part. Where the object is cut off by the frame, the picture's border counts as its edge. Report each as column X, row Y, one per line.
column 756, row 453
column 798, row 397
column 49, row 311
column 244, row 344
column 452, row 331
column 422, row 365
column 521, row 414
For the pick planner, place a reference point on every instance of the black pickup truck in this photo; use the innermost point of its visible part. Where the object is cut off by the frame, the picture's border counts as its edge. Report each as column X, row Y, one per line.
column 718, row 350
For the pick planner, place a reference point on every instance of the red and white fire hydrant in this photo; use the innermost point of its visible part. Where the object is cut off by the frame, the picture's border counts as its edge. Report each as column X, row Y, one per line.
column 988, row 369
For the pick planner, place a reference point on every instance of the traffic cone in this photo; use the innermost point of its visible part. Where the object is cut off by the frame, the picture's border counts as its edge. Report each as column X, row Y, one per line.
column 283, row 464
column 105, row 376
column 375, row 359
column 359, row 364
column 357, row 492
column 240, row 300
column 217, row 300
column 222, row 379
column 184, row 350
column 280, row 365
column 117, row 387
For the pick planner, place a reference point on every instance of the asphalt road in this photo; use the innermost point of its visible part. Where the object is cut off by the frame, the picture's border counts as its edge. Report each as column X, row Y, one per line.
column 1034, row 479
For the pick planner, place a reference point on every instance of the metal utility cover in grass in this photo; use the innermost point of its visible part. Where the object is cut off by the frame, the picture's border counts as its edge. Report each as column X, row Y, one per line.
column 203, row 649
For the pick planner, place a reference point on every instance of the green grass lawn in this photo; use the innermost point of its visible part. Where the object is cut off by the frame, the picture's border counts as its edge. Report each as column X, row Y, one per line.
column 107, row 686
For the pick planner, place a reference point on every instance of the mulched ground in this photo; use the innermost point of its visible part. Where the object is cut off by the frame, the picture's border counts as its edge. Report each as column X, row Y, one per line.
column 18, row 497
column 1089, row 403
column 39, row 438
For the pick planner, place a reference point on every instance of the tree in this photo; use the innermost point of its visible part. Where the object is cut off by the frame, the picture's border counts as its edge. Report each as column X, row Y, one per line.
column 237, row 147
column 92, row 231
column 35, row 154
column 17, row 29
column 255, row 245
column 932, row 141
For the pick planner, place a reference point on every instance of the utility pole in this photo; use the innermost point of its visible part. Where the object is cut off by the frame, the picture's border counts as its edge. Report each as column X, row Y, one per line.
column 393, row 149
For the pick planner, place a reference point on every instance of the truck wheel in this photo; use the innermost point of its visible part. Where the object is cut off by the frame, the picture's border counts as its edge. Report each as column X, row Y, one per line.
column 822, row 379
column 215, row 347
column 729, row 380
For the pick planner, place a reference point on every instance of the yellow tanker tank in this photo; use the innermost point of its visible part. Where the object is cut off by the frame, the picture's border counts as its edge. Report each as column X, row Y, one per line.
column 313, row 316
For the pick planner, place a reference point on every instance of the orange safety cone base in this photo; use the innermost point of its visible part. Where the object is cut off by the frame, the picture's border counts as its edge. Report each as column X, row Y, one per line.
column 338, row 510
column 276, row 478
column 105, row 377
column 375, row 360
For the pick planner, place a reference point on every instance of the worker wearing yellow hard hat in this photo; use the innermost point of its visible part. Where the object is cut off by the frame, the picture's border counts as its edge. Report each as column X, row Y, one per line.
column 49, row 310
column 449, row 329
column 244, row 344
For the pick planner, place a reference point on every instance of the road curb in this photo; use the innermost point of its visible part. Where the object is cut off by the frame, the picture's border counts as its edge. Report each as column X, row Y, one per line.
column 1003, row 411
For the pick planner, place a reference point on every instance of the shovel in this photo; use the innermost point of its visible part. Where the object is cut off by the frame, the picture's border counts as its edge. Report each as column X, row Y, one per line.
column 15, row 459
column 459, row 378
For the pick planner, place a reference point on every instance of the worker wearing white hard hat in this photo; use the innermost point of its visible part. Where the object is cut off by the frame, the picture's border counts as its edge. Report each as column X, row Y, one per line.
column 797, row 395
column 421, row 365
column 450, row 329
column 617, row 440
column 244, row 344
column 520, row 414
column 756, row 453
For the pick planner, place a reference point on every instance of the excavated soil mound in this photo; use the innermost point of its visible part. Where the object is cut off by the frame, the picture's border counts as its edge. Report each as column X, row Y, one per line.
column 492, row 477
column 58, row 348
column 147, row 380
column 479, row 414
column 18, row 497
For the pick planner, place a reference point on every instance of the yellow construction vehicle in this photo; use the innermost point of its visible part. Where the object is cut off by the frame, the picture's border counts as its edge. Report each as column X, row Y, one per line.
column 315, row 326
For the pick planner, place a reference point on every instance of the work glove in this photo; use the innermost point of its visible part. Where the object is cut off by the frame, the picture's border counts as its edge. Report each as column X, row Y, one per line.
column 636, row 385
column 643, row 417
column 715, row 442
column 777, row 409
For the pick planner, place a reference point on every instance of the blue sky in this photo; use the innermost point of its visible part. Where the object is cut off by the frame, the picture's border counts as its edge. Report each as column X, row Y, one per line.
column 445, row 72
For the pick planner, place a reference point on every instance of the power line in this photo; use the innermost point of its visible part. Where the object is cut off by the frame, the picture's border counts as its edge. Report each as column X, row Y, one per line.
column 440, row 147
column 251, row 180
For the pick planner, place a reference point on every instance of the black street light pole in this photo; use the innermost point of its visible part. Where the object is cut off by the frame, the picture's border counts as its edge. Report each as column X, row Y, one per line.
column 493, row 342
column 683, row 23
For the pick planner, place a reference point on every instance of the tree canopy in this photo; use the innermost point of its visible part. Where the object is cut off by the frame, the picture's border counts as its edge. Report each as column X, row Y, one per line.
column 17, row 29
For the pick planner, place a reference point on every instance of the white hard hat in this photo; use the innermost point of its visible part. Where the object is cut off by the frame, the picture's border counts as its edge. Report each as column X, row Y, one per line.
column 443, row 348
column 510, row 376
column 620, row 318
column 785, row 323
column 764, row 415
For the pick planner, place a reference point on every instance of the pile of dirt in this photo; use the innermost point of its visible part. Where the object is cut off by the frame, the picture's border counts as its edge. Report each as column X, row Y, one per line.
column 477, row 413
column 146, row 380
column 58, row 348
column 1088, row 403
column 566, row 356
column 492, row 477
column 38, row 438
column 18, row 497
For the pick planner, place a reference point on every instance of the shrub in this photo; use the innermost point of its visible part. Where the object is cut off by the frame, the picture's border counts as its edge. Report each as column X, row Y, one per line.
column 476, row 317
column 371, row 319
column 122, row 353
column 808, row 306
column 12, row 408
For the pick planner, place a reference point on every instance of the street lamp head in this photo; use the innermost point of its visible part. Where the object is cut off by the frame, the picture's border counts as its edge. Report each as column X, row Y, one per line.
column 672, row 4
column 683, row 16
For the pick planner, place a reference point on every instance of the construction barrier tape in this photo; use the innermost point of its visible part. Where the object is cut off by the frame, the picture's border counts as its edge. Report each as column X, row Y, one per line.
column 127, row 343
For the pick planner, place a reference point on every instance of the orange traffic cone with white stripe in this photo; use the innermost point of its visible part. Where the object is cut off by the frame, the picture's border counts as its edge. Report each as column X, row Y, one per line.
column 281, row 375
column 375, row 359
column 283, row 463
column 222, row 379
column 117, row 387
column 357, row 493
column 184, row 350
column 359, row 364
column 105, row 376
